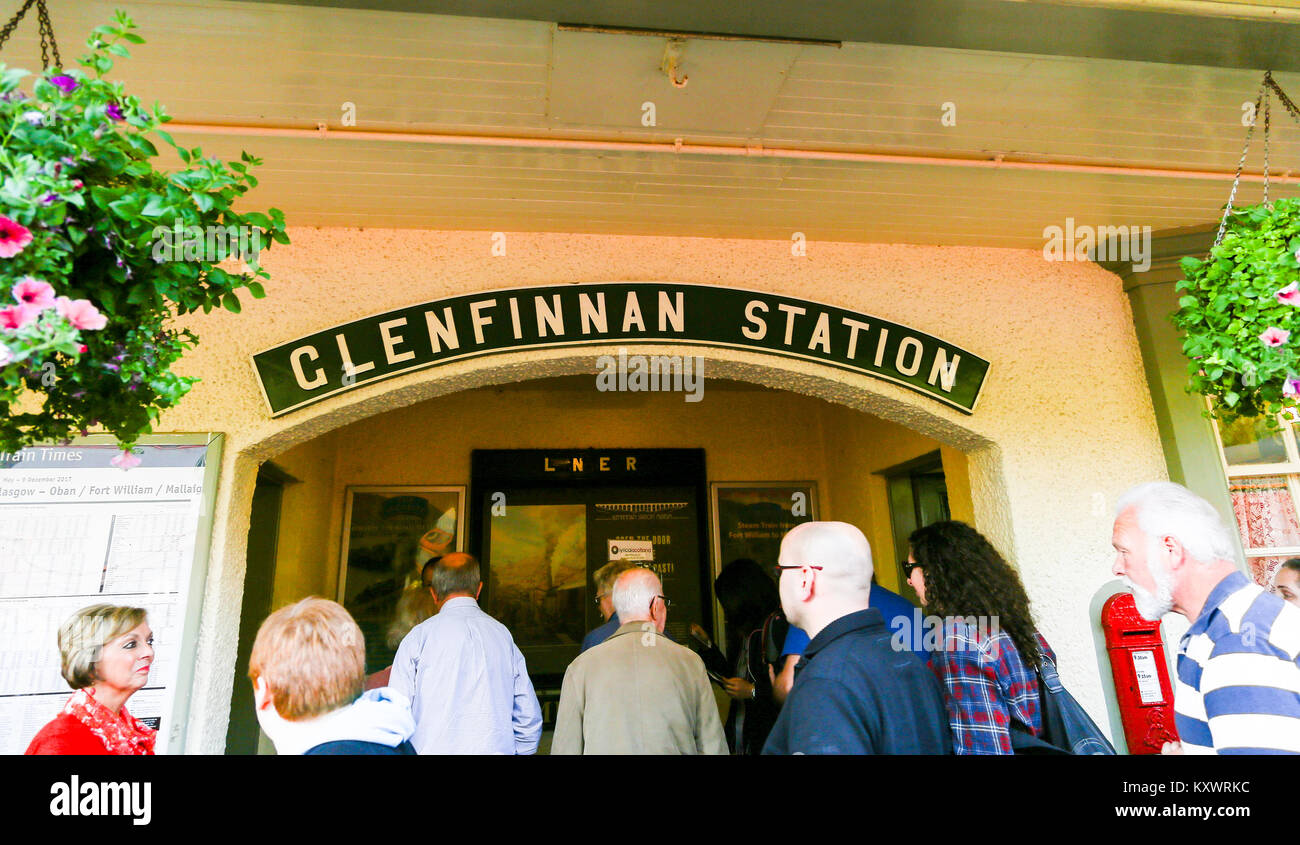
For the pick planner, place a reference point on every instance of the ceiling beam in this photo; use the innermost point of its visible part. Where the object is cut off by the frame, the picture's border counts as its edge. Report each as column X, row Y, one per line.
column 1188, row 32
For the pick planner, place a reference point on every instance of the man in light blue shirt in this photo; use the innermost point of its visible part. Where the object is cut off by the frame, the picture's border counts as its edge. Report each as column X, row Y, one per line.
column 469, row 688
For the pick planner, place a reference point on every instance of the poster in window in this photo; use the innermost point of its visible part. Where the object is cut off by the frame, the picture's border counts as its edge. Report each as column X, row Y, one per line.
column 750, row 518
column 389, row 533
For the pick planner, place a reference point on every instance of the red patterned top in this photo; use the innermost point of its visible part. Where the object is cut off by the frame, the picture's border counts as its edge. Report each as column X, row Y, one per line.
column 87, row 727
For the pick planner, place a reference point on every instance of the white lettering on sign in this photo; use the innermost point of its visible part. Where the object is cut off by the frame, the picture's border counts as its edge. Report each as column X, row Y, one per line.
column 855, row 326
column 295, row 361
column 760, row 330
column 348, row 365
column 391, row 341
column 476, row 317
column 1148, row 677
column 442, row 331
column 671, row 311
column 901, row 364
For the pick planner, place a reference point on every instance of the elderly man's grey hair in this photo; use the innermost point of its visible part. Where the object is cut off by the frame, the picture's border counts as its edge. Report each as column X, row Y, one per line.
column 634, row 590
column 1166, row 509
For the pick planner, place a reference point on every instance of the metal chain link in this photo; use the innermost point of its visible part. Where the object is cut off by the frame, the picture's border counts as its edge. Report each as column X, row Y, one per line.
column 1291, row 107
column 1269, row 84
column 13, row 22
column 47, row 30
column 1266, row 134
column 48, row 44
column 1236, row 180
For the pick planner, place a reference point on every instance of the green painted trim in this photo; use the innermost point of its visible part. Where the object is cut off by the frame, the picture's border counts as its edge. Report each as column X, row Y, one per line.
column 1187, row 437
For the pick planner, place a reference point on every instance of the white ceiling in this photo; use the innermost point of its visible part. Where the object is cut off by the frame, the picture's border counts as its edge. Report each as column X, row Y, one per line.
column 267, row 65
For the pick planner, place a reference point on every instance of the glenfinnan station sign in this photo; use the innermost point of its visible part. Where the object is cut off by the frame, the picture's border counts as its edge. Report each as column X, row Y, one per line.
column 304, row 371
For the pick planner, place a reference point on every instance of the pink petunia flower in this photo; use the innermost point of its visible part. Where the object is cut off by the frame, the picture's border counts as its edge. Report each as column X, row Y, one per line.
column 1289, row 295
column 126, row 460
column 14, row 236
column 1273, row 336
column 32, row 291
column 113, row 111
column 81, row 313
column 64, row 83
column 17, row 316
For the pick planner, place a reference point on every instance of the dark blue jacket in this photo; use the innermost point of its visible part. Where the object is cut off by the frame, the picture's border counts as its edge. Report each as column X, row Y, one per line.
column 854, row 694
column 596, row 636
column 356, row 746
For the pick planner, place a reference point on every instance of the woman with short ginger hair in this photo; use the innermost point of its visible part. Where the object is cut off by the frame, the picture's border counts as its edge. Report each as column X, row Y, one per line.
column 107, row 653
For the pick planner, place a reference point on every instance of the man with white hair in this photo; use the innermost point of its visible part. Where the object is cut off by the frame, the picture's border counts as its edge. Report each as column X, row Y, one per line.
column 852, row 693
column 1238, row 685
column 638, row 692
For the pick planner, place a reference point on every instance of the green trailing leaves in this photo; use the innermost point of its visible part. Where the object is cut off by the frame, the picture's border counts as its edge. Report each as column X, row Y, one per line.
column 1240, row 314
column 89, row 217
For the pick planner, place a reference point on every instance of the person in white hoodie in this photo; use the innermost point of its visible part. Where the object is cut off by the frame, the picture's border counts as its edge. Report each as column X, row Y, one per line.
column 308, row 669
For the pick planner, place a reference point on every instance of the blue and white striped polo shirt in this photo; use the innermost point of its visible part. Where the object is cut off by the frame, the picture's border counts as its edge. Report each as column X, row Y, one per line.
column 1238, row 688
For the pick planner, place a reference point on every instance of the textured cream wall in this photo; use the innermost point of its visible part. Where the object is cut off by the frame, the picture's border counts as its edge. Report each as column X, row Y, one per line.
column 1064, row 425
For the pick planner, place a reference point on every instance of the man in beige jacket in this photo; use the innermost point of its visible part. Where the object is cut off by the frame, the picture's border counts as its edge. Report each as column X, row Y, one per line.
column 638, row 692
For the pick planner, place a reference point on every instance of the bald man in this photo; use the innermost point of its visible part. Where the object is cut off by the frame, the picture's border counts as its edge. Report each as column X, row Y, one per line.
column 466, row 679
column 853, row 693
column 638, row 692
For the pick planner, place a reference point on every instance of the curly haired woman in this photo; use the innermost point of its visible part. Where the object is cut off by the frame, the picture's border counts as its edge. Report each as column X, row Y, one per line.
column 991, row 650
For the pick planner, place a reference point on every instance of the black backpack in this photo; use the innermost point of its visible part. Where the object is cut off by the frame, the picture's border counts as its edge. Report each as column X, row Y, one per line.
column 775, row 627
column 1067, row 728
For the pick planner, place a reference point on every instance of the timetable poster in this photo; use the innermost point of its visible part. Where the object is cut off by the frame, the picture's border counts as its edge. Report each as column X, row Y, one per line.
column 75, row 531
column 666, row 519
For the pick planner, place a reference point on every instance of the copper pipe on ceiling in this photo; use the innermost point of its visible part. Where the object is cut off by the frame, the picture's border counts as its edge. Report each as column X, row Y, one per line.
column 680, row 147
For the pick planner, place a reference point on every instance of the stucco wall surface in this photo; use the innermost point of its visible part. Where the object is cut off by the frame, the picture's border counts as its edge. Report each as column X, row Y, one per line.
column 1064, row 425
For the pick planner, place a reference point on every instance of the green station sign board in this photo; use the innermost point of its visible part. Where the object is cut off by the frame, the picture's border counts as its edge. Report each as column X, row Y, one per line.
column 604, row 316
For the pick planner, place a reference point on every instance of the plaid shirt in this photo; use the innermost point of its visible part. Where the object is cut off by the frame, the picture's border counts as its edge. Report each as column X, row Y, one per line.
column 986, row 684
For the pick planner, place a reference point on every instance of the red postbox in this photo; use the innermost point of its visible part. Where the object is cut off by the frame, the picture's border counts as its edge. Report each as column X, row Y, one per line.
column 1137, row 662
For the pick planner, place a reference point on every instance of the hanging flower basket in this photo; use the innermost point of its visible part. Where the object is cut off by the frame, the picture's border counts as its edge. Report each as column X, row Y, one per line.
column 1240, row 309
column 100, row 251
column 1240, row 305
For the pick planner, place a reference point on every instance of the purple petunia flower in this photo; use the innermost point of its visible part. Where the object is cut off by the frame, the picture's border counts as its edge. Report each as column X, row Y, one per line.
column 49, row 199
column 64, row 83
column 114, row 112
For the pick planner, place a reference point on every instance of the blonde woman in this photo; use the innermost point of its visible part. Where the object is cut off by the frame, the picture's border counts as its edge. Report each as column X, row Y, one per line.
column 107, row 652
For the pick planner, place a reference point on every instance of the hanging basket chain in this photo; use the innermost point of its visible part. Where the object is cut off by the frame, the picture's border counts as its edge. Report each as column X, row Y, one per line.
column 48, row 44
column 1269, row 84
column 1236, row 180
column 1291, row 107
column 47, row 32
column 1266, row 136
